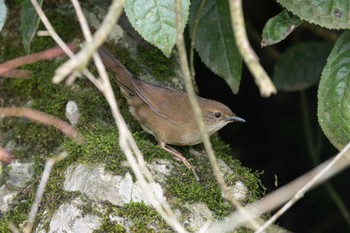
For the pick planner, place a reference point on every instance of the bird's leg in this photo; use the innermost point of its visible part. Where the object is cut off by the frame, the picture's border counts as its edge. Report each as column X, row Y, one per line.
column 178, row 156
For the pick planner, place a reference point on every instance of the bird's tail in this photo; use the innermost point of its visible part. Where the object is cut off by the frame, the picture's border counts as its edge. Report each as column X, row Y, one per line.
column 123, row 76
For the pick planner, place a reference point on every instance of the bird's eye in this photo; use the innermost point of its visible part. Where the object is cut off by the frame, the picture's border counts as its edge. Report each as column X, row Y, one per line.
column 217, row 115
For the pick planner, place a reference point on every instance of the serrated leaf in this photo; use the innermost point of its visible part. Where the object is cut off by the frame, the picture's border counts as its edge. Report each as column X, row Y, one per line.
column 279, row 27
column 3, row 12
column 334, row 94
column 29, row 23
column 155, row 21
column 301, row 66
column 215, row 41
column 333, row 14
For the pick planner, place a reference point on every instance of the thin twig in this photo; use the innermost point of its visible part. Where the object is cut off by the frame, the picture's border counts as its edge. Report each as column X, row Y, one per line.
column 13, row 228
column 35, row 57
column 88, row 50
column 5, row 156
column 40, row 191
column 43, row 118
column 50, row 29
column 261, row 78
column 17, row 73
column 193, row 40
column 58, row 39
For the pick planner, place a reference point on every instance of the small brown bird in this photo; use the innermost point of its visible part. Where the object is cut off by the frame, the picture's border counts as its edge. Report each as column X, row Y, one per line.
column 166, row 113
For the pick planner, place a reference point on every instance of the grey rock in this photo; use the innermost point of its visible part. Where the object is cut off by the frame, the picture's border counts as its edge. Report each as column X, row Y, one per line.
column 19, row 175
column 6, row 197
column 72, row 112
column 123, row 221
column 160, row 169
column 239, row 190
column 99, row 185
column 138, row 195
column 224, row 168
column 198, row 214
column 70, row 218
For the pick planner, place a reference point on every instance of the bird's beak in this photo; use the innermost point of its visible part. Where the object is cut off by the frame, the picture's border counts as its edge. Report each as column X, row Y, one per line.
column 236, row 118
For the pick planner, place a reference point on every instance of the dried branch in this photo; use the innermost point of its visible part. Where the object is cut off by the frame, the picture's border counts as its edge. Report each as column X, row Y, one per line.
column 83, row 57
column 17, row 73
column 35, row 57
column 261, row 78
column 5, row 156
column 43, row 118
column 40, row 191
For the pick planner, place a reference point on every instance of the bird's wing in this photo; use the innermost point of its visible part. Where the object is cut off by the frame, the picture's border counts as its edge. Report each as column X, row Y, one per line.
column 159, row 99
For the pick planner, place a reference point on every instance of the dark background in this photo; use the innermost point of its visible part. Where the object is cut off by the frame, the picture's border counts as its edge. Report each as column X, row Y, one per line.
column 273, row 138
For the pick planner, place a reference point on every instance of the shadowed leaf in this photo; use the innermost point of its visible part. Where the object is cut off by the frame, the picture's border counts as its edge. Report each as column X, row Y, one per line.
column 29, row 23
column 215, row 41
column 279, row 27
column 334, row 94
column 301, row 65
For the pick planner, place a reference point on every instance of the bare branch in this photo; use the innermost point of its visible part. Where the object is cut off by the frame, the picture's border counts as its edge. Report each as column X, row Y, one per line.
column 5, row 156
column 17, row 73
column 43, row 118
column 50, row 29
column 83, row 57
column 40, row 191
column 261, row 78
column 35, row 57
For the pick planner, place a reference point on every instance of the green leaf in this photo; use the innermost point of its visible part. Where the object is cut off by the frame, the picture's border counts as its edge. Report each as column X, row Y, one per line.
column 3, row 12
column 215, row 41
column 334, row 94
column 279, row 27
column 29, row 23
column 301, row 65
column 333, row 14
column 155, row 21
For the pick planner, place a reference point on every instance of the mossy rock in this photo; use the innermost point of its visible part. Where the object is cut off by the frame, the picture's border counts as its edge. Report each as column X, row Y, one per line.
column 101, row 140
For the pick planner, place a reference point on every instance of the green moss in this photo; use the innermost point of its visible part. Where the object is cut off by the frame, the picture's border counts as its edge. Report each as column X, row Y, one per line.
column 107, row 226
column 187, row 188
column 248, row 177
column 19, row 209
column 100, row 146
column 159, row 66
column 142, row 217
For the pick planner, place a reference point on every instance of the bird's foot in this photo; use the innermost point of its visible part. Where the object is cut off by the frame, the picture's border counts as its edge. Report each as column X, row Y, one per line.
column 178, row 156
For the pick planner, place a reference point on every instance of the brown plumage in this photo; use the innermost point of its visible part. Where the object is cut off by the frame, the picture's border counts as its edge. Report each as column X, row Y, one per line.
column 167, row 113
